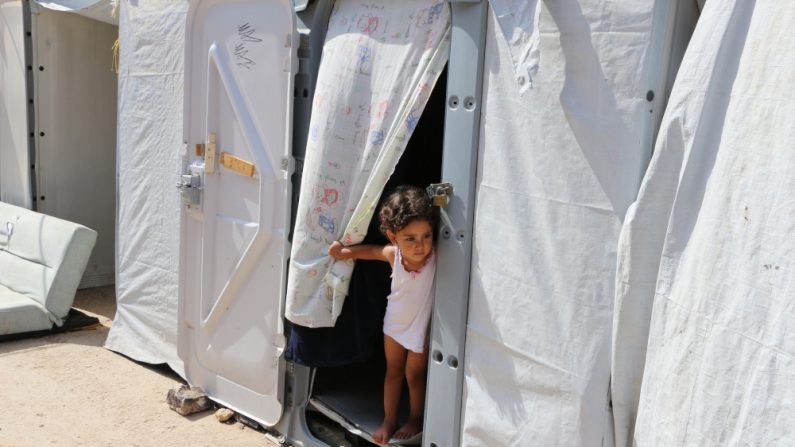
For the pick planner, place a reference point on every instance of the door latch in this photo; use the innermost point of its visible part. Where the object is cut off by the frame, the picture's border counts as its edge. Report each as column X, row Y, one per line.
column 440, row 193
column 190, row 188
column 440, row 196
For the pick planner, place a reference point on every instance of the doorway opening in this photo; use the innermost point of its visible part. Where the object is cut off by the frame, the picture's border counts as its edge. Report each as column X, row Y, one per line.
column 352, row 395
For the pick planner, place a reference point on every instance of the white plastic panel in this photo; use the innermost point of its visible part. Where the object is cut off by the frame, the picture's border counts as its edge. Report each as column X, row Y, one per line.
column 15, row 186
column 239, row 67
column 75, row 130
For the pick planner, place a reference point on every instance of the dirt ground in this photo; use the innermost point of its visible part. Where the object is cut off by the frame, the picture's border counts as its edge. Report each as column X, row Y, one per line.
column 67, row 390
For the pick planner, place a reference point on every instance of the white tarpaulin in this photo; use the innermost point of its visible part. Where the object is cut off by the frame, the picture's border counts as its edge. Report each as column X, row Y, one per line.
column 149, row 147
column 103, row 10
column 706, row 254
column 559, row 163
column 380, row 62
column 518, row 21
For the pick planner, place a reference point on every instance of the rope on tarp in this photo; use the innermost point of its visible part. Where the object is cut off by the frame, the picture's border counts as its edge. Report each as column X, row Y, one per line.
column 115, row 64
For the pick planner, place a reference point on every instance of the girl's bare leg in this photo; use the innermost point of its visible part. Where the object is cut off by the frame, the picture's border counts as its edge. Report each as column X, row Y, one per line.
column 416, row 366
column 393, row 382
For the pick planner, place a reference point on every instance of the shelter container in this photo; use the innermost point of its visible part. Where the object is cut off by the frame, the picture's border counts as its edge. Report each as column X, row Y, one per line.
column 535, row 144
column 565, row 266
column 58, row 123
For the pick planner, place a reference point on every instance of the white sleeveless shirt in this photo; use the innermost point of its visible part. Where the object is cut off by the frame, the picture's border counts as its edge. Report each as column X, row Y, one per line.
column 408, row 309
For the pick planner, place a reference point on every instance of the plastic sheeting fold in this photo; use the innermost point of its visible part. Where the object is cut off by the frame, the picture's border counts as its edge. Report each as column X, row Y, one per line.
column 518, row 21
column 705, row 287
column 102, row 10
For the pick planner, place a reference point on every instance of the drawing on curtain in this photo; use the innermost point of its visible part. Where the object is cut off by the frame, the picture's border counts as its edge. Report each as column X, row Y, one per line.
column 380, row 62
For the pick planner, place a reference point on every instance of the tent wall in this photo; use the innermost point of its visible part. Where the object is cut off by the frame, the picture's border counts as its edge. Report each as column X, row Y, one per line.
column 149, row 144
column 75, row 128
column 560, row 161
column 705, row 250
column 15, row 172
column 629, row 326
column 706, row 254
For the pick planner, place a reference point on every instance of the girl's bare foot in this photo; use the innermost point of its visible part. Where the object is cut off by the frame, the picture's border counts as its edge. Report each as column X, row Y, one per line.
column 409, row 429
column 384, row 432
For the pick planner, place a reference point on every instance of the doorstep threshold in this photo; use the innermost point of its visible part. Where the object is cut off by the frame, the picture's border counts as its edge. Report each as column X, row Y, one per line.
column 364, row 430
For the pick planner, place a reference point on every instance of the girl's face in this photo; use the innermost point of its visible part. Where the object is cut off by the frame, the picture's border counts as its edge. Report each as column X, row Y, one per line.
column 415, row 242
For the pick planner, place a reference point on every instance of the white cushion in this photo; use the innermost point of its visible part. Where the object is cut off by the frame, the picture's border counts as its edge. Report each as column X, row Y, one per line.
column 18, row 313
column 42, row 258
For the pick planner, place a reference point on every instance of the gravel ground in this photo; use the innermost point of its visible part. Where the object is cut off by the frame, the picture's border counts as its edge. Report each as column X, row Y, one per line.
column 67, row 390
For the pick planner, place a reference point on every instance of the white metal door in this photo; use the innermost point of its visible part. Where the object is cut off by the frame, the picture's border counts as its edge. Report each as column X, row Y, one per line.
column 239, row 67
column 15, row 170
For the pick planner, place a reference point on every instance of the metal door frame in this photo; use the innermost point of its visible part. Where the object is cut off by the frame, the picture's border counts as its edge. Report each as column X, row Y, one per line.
column 454, row 262
column 459, row 167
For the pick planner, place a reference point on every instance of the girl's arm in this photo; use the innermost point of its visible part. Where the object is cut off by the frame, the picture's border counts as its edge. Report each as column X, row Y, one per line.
column 367, row 252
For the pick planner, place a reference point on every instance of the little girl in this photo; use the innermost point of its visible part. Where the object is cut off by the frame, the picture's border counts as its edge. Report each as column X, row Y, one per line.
column 408, row 219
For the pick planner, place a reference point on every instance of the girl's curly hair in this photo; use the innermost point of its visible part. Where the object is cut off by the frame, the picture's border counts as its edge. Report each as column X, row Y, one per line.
column 406, row 204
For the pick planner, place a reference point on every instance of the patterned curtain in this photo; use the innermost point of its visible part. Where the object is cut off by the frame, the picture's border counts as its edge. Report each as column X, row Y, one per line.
column 380, row 62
